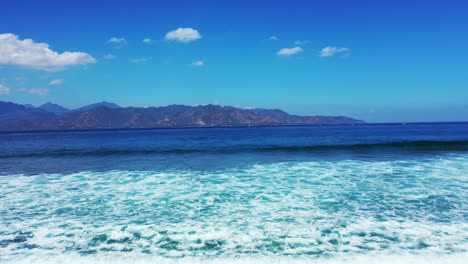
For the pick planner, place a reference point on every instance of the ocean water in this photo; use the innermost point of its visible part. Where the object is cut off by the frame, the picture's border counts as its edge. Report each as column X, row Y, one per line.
column 319, row 194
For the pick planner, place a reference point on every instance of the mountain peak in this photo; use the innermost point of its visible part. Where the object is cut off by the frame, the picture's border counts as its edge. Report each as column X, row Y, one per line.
column 103, row 103
column 54, row 108
column 47, row 104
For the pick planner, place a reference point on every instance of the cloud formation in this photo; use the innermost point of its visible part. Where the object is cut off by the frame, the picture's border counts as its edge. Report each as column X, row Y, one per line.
column 140, row 60
column 302, row 42
column 38, row 91
column 117, row 42
column 273, row 38
column 4, row 89
column 332, row 51
column 29, row 54
column 56, row 82
column 147, row 40
column 199, row 63
column 109, row 57
column 289, row 51
column 184, row 35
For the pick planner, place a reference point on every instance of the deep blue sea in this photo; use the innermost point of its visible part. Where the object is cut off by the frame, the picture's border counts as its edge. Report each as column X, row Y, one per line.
column 373, row 193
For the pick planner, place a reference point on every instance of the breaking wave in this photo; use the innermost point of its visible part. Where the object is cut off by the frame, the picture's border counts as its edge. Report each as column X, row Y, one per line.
column 347, row 211
column 403, row 146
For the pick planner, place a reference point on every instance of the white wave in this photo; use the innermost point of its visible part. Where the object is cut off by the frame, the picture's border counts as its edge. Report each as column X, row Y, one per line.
column 412, row 207
column 362, row 259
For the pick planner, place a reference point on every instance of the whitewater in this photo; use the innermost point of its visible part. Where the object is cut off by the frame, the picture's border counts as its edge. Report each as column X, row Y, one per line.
column 323, row 211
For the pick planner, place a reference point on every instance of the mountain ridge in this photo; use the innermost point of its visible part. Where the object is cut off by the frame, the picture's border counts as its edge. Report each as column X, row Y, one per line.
column 91, row 106
column 54, row 108
column 103, row 116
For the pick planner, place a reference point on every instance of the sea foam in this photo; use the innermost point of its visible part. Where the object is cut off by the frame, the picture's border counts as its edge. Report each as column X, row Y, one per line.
column 349, row 211
column 363, row 259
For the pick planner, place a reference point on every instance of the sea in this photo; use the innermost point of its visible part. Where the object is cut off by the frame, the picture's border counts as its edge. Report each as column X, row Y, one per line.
column 366, row 193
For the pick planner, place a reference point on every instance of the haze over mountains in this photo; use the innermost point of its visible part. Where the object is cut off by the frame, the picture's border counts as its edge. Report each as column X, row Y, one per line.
column 109, row 115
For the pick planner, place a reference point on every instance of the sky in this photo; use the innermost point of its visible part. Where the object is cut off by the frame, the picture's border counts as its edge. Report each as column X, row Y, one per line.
column 380, row 61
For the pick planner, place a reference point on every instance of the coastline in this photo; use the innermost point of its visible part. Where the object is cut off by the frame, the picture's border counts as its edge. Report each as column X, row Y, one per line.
column 217, row 127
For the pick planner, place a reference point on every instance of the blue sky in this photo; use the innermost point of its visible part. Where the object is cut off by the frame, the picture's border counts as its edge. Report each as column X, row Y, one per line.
column 381, row 61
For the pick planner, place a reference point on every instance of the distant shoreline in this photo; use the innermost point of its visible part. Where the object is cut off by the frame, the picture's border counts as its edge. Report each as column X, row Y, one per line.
column 71, row 130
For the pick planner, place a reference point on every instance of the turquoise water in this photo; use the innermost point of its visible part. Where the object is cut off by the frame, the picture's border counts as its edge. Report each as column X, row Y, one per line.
column 268, row 195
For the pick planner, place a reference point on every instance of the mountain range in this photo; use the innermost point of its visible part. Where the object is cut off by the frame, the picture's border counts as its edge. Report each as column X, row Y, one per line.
column 109, row 115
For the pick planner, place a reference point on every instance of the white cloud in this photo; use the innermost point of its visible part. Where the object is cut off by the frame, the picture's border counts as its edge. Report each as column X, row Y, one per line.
column 147, row 40
column 302, row 42
column 249, row 107
column 118, row 42
column 109, row 57
column 289, row 51
column 56, row 82
column 331, row 51
column 346, row 55
column 39, row 91
column 273, row 38
column 183, row 35
column 199, row 63
column 4, row 89
column 140, row 60
column 29, row 54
